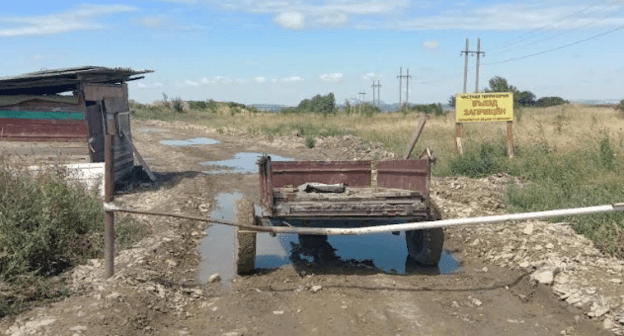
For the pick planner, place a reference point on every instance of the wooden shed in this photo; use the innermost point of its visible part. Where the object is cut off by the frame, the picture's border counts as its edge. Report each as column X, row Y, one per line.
column 60, row 113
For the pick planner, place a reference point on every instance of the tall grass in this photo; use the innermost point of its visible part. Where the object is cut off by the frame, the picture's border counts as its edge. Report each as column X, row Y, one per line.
column 47, row 225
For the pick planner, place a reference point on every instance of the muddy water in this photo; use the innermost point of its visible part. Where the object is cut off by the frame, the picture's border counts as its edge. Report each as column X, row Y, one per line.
column 217, row 249
column 190, row 142
column 242, row 163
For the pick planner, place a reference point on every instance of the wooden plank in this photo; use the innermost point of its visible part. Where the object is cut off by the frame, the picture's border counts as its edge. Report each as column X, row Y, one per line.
column 143, row 163
column 415, row 136
column 97, row 92
column 12, row 129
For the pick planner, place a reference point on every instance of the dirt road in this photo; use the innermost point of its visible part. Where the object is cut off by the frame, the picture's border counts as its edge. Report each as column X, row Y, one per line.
column 485, row 285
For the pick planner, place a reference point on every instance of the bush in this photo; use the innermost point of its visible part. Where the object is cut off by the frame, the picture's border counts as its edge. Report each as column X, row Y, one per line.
column 198, row 105
column 177, row 104
column 435, row 109
column 550, row 101
column 484, row 160
column 310, row 142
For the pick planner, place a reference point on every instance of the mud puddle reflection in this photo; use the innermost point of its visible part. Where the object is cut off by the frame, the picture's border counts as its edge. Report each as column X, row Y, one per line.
column 242, row 163
column 383, row 252
column 217, row 249
column 190, row 142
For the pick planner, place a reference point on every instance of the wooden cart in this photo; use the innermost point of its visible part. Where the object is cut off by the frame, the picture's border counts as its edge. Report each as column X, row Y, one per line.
column 342, row 194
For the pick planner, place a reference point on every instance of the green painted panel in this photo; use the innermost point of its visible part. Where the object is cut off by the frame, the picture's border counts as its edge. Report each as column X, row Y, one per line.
column 56, row 115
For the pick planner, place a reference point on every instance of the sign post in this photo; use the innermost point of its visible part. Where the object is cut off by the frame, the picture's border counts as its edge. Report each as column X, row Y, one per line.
column 481, row 107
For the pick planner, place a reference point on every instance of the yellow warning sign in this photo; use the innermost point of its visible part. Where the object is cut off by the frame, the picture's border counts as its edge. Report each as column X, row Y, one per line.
column 495, row 106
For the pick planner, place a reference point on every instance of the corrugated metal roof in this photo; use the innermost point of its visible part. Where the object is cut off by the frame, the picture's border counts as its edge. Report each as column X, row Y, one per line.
column 61, row 80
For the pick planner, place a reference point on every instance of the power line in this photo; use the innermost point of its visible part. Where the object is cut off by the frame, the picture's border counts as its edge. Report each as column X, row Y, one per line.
column 573, row 29
column 548, row 26
column 557, row 48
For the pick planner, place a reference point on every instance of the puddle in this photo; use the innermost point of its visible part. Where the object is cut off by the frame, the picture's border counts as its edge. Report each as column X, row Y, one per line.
column 217, row 249
column 242, row 163
column 190, row 142
column 342, row 255
column 149, row 130
column 383, row 251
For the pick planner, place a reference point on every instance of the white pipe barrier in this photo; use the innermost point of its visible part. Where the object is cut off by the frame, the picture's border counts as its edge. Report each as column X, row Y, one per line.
column 398, row 227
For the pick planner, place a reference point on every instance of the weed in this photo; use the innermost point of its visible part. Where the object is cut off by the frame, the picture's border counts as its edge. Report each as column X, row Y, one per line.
column 177, row 104
column 310, row 142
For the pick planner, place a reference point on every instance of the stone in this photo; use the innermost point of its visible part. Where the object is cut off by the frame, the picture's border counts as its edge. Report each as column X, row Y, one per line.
column 550, row 246
column 278, row 312
column 597, row 309
column 78, row 328
column 315, row 289
column 214, row 278
column 476, row 302
column 616, row 281
column 171, row 263
column 113, row 295
column 528, row 229
column 545, row 275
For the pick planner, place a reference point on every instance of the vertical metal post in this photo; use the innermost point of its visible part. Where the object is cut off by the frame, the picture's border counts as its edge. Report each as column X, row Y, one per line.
column 477, row 70
column 378, row 93
column 109, row 195
column 466, row 66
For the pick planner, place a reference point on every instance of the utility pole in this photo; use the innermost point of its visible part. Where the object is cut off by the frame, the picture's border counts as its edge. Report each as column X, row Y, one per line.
column 378, row 95
column 466, row 53
column 400, row 77
column 407, row 78
column 373, row 86
column 479, row 52
column 363, row 94
column 376, row 86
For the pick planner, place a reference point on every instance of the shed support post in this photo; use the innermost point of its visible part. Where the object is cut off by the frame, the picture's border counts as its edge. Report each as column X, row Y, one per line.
column 109, row 195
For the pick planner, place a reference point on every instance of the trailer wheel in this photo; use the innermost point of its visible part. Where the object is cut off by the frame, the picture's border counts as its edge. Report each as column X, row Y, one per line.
column 426, row 246
column 245, row 239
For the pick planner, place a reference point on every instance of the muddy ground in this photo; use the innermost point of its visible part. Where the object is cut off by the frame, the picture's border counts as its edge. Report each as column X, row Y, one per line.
column 532, row 278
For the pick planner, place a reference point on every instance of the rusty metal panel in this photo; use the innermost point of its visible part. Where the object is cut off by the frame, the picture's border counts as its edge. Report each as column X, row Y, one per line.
column 351, row 173
column 22, row 129
column 124, row 156
column 404, row 174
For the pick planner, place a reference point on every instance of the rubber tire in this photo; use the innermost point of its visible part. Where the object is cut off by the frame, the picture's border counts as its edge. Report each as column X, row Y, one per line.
column 426, row 246
column 245, row 240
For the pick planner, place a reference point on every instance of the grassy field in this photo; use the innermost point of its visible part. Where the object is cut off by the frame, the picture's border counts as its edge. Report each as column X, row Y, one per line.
column 572, row 154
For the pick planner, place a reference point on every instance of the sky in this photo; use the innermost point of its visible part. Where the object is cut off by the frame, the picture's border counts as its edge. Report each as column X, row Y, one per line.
column 283, row 51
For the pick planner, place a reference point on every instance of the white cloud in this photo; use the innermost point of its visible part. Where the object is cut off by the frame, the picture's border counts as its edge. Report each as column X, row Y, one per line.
column 205, row 80
column 157, row 84
column 290, row 20
column 333, row 20
column 292, row 14
column 64, row 22
column 274, row 80
column 141, row 85
column 191, row 83
column 507, row 16
column 370, row 75
column 292, row 79
column 149, row 86
column 259, row 79
column 429, row 45
column 332, row 77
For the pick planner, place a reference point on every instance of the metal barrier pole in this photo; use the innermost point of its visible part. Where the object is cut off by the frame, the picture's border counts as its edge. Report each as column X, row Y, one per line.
column 109, row 195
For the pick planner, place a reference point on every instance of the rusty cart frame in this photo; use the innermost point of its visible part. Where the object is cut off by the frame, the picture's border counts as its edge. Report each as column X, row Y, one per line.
column 361, row 194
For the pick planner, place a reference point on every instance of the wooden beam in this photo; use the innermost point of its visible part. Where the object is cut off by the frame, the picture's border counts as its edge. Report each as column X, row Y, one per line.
column 143, row 163
column 415, row 136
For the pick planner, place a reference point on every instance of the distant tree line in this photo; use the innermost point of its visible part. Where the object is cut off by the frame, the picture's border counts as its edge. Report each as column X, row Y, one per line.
column 521, row 98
